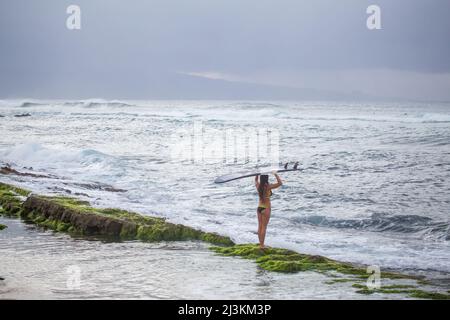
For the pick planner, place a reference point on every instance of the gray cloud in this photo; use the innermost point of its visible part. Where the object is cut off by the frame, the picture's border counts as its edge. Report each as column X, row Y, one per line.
column 137, row 49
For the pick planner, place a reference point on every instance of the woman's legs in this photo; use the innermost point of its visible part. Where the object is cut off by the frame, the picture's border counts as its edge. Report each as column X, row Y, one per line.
column 260, row 225
column 263, row 221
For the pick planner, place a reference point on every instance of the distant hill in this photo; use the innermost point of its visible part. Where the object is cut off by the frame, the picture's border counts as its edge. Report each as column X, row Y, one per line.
column 164, row 85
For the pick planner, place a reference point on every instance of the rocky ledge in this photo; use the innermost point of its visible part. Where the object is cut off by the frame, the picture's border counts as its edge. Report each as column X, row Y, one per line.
column 77, row 217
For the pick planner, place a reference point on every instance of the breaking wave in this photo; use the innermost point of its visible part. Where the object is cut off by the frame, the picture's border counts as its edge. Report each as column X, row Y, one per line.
column 382, row 223
column 91, row 103
column 36, row 155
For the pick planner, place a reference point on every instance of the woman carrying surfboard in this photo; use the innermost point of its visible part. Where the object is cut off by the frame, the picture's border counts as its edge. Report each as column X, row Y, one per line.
column 264, row 206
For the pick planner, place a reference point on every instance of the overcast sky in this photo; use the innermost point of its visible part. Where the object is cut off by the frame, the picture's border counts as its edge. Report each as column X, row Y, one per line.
column 146, row 49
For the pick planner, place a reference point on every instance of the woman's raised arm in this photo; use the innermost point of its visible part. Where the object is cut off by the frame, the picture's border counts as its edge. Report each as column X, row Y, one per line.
column 278, row 184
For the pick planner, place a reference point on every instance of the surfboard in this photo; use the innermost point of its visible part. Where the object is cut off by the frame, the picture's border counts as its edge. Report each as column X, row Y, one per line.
column 257, row 172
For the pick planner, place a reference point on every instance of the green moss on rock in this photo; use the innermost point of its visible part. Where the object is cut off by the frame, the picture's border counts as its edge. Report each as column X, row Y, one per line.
column 365, row 291
column 385, row 288
column 429, row 295
column 2, row 226
column 398, row 286
column 283, row 260
column 16, row 190
column 11, row 199
column 75, row 216
column 408, row 290
column 163, row 231
column 216, row 239
column 342, row 280
column 424, row 282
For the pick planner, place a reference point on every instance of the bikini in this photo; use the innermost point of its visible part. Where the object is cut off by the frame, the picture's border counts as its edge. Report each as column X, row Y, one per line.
column 262, row 206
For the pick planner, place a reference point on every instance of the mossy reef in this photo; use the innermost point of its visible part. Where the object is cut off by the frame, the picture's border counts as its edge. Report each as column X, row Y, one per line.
column 409, row 290
column 288, row 261
column 79, row 218
column 284, row 260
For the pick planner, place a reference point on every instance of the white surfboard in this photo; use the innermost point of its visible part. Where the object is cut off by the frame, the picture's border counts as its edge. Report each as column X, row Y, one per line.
column 257, row 172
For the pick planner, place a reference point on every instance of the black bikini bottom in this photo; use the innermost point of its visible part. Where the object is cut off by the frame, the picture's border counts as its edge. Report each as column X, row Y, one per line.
column 261, row 209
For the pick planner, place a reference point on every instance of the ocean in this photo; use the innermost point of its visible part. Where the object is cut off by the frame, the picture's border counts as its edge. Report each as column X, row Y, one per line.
column 374, row 189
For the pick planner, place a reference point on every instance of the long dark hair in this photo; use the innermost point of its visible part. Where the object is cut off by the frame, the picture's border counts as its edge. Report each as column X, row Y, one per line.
column 263, row 184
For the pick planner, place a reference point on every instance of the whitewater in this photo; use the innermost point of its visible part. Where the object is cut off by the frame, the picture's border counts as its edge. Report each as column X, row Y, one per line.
column 375, row 188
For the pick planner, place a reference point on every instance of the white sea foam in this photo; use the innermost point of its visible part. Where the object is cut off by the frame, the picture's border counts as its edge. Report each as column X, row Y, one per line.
column 34, row 154
column 362, row 161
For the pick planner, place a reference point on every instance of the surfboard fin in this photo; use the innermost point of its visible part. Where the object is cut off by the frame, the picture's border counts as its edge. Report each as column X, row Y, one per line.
column 296, row 165
column 286, row 165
